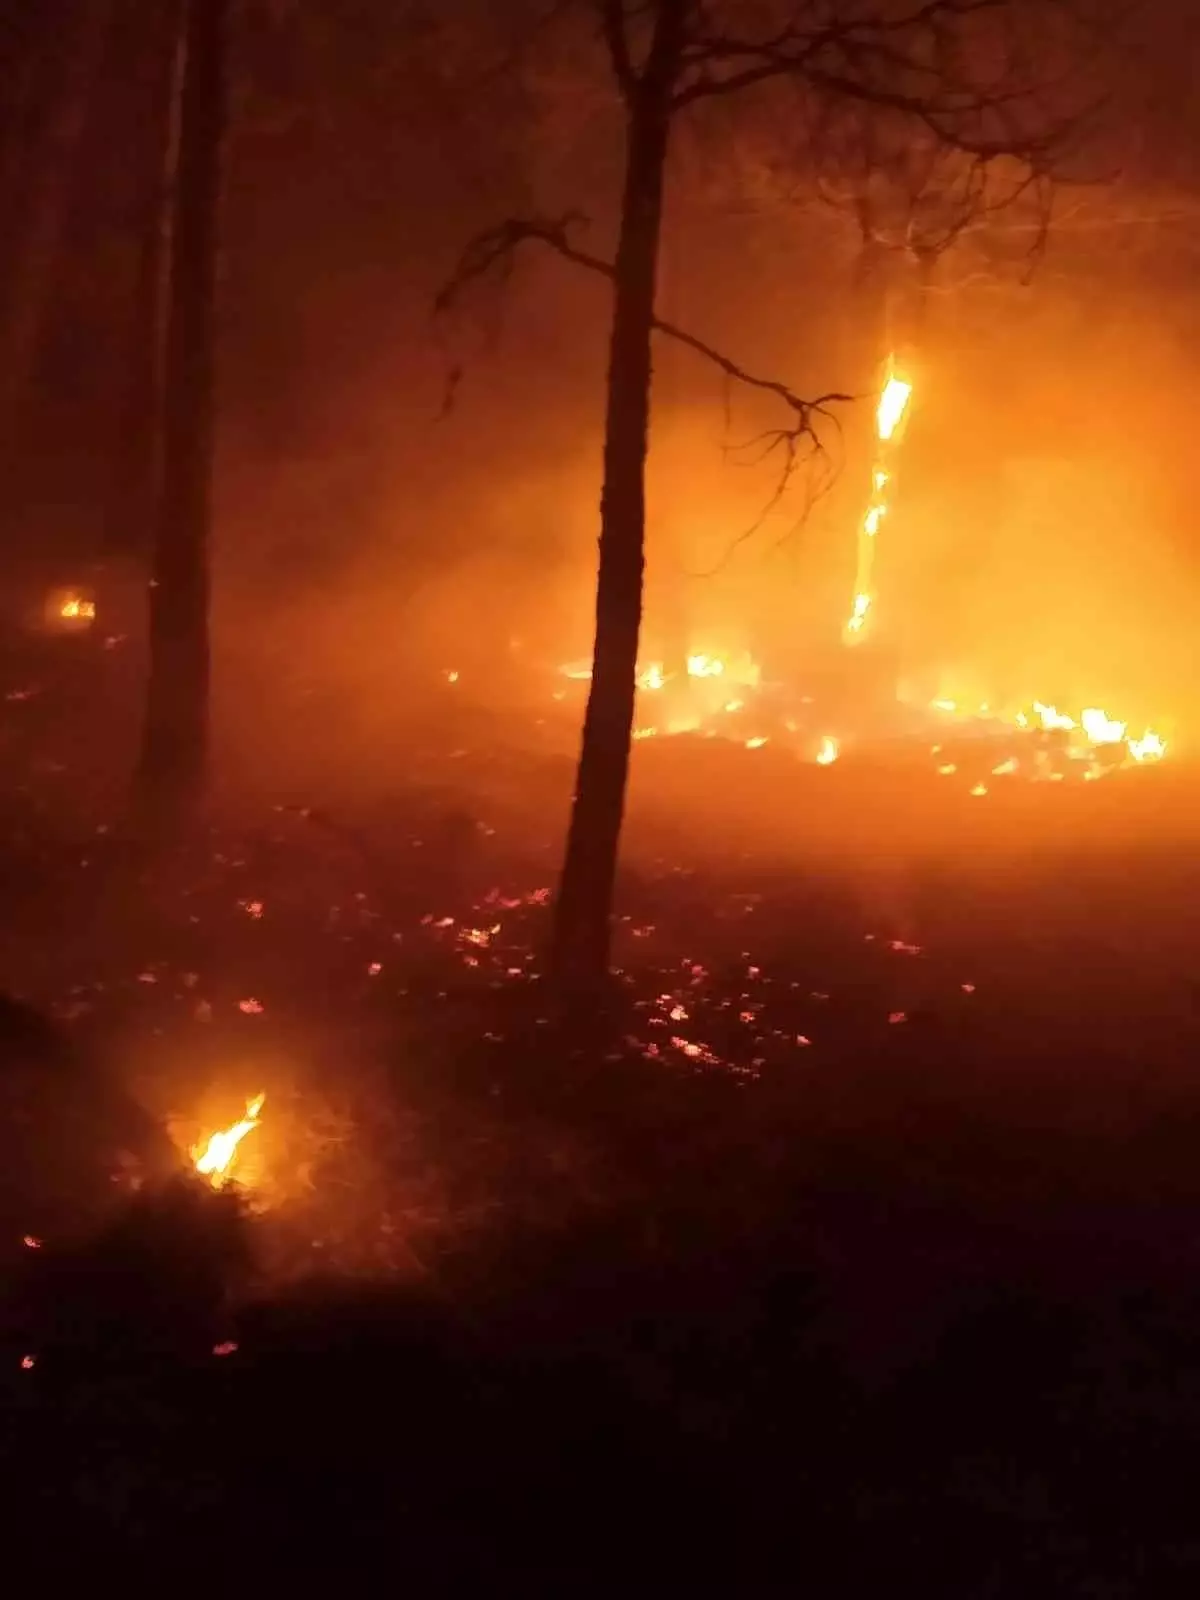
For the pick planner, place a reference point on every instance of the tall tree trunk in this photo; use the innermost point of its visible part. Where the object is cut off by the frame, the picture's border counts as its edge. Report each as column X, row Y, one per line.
column 41, row 213
column 137, row 457
column 173, row 763
column 669, row 595
column 582, row 932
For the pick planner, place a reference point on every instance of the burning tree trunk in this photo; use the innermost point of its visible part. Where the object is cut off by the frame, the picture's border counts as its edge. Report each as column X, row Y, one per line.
column 172, row 765
column 583, row 912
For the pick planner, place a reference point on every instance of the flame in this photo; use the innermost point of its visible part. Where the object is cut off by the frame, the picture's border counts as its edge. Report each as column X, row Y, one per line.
column 75, row 607
column 704, row 666
column 213, row 1158
column 889, row 416
column 709, row 691
column 893, row 403
column 695, row 700
column 1150, row 747
column 1084, row 736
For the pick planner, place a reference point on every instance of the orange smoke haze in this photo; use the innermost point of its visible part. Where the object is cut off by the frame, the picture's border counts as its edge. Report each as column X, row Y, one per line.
column 1038, row 541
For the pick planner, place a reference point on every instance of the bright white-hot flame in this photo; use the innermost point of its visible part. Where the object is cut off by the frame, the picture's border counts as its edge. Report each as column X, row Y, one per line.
column 1101, row 728
column 828, row 751
column 1150, row 747
column 893, row 403
column 702, row 666
column 1052, row 717
column 858, row 617
column 213, row 1158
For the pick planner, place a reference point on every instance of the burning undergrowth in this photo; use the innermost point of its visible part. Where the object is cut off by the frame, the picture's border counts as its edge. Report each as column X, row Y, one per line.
column 343, row 1019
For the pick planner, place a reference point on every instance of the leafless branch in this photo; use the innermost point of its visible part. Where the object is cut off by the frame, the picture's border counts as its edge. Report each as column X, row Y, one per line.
column 616, row 36
column 815, row 488
column 493, row 252
column 902, row 62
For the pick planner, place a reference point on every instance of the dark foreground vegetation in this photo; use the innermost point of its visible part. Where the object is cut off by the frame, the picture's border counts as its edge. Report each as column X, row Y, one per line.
column 853, row 1250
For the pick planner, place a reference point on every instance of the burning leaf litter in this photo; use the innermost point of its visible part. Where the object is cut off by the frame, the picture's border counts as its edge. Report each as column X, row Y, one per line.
column 716, row 695
column 214, row 1158
column 1036, row 743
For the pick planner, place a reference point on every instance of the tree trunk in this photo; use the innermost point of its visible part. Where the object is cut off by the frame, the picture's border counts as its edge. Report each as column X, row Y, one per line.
column 581, row 937
column 172, row 767
column 42, row 210
column 137, row 457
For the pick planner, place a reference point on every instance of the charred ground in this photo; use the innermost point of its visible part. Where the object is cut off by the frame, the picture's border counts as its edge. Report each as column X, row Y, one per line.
column 856, row 1246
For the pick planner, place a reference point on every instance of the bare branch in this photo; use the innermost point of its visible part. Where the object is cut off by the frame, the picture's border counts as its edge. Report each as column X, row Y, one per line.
column 613, row 21
column 907, row 63
column 793, row 49
column 492, row 252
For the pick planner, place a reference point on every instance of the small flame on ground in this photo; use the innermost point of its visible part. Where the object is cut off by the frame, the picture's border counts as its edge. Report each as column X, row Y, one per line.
column 214, row 1157
column 76, row 607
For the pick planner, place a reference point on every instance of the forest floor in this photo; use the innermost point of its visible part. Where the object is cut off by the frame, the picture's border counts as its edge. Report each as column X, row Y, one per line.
column 857, row 1247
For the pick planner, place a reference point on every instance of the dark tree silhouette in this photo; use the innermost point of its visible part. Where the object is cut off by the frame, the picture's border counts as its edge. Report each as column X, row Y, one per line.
column 957, row 71
column 137, row 463
column 172, row 766
column 51, row 81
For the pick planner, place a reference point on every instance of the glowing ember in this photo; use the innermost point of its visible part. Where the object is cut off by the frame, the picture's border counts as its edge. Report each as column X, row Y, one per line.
column 214, row 1157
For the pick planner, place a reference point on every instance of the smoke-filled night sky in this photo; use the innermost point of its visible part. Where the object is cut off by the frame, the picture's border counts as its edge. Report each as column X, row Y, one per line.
column 373, row 535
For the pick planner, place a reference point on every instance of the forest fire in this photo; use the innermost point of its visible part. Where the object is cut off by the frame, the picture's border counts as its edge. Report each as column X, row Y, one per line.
column 214, row 1158
column 721, row 697
column 716, row 696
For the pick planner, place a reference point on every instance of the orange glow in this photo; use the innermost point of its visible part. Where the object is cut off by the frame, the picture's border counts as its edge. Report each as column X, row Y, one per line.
column 214, row 1157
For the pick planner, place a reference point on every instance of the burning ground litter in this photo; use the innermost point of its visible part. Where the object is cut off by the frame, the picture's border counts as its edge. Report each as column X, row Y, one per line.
column 795, row 919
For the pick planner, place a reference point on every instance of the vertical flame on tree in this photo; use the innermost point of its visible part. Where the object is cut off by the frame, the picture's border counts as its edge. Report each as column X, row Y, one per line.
column 889, row 418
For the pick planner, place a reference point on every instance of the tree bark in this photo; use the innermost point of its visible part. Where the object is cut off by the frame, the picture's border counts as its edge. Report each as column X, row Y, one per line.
column 137, row 458
column 171, row 771
column 582, row 929
column 41, row 214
